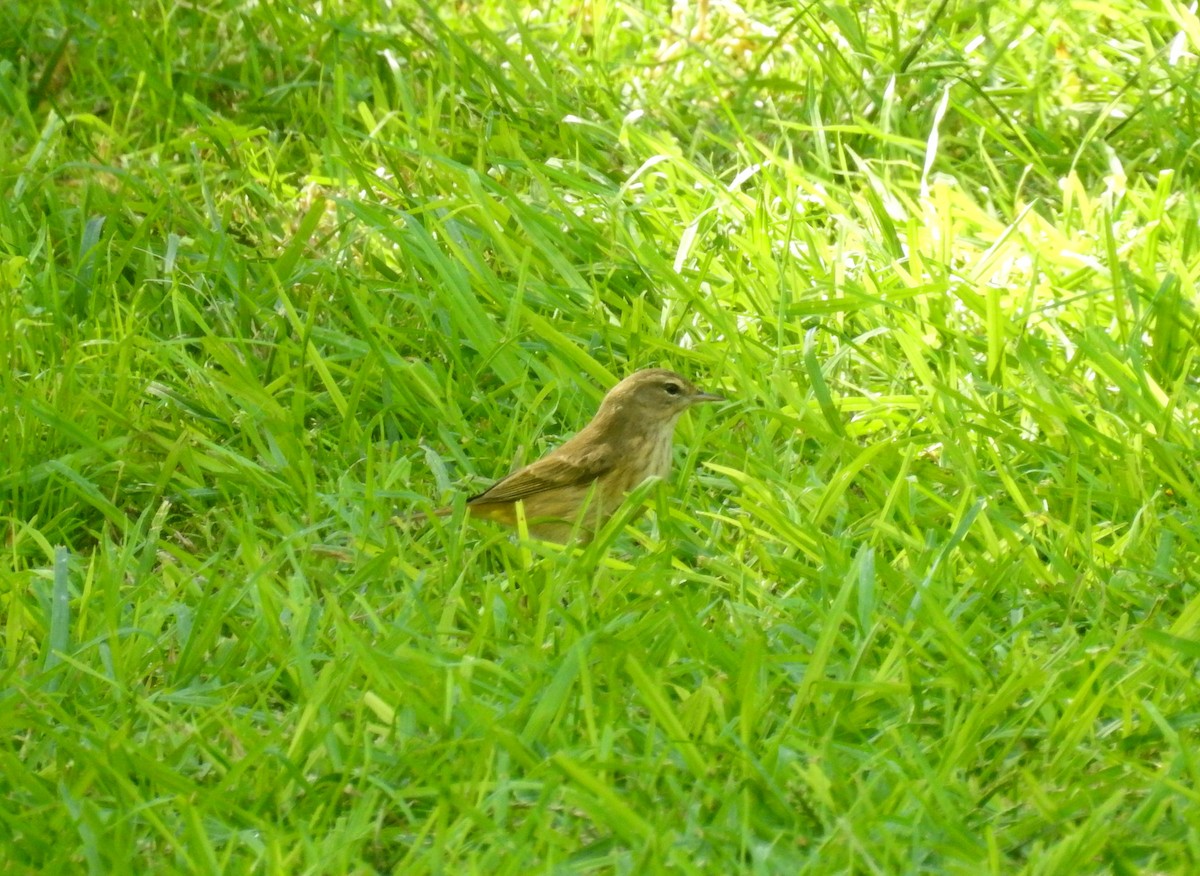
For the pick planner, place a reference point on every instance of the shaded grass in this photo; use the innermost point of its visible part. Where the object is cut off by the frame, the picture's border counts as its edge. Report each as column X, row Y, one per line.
column 921, row 599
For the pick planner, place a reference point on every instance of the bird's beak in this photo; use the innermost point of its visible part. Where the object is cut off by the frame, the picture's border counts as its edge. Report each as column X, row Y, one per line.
column 701, row 397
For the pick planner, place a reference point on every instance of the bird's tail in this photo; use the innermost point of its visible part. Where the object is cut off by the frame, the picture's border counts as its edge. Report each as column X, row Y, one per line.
column 419, row 518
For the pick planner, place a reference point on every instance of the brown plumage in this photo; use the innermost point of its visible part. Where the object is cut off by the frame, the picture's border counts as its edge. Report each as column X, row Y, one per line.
column 585, row 480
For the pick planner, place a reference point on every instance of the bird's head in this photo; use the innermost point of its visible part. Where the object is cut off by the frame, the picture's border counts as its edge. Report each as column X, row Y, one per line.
column 653, row 397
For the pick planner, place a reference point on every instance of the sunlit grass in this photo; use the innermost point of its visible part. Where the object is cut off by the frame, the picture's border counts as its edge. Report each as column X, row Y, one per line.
column 921, row 598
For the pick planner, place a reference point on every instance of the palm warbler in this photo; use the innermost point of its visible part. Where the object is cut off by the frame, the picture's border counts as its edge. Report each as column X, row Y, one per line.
column 575, row 488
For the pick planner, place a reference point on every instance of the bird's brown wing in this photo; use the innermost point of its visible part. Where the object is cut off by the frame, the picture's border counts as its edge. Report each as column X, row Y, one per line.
column 551, row 473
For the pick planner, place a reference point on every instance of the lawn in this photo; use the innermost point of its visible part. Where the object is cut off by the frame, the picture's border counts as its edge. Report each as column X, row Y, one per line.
column 922, row 597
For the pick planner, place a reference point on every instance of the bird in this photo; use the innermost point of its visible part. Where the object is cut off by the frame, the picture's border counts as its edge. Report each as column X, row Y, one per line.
column 574, row 489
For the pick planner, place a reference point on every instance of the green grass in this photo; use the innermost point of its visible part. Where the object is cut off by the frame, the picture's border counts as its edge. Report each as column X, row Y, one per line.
column 925, row 598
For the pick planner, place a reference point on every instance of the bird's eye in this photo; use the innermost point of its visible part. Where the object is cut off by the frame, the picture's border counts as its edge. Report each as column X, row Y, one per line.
column 672, row 388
